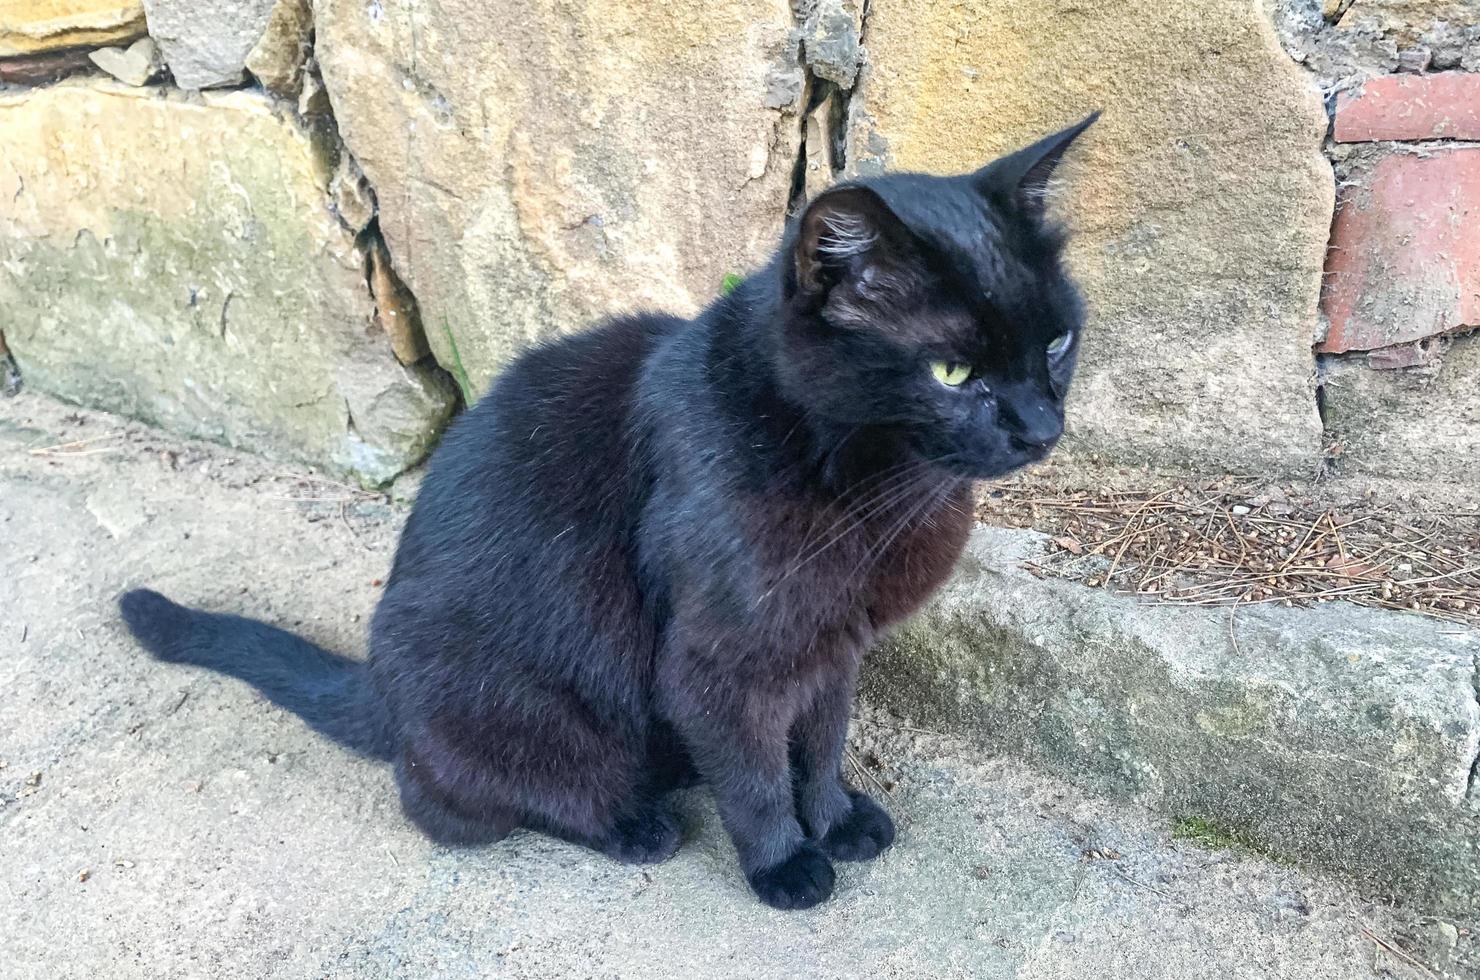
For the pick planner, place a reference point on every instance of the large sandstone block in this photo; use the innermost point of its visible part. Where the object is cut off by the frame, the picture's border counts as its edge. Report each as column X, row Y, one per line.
column 32, row 26
column 178, row 261
column 1201, row 200
column 541, row 164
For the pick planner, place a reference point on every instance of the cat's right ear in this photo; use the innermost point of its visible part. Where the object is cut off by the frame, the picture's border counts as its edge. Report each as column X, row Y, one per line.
column 1022, row 178
column 848, row 234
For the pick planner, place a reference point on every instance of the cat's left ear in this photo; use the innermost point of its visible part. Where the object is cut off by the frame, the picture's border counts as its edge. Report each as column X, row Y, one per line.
column 848, row 233
column 1022, row 178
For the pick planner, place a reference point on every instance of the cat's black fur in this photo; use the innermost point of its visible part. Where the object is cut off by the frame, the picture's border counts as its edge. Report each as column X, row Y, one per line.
column 656, row 552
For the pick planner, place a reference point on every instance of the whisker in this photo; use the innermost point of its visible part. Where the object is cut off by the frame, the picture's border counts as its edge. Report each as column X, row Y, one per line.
column 884, row 497
column 878, row 549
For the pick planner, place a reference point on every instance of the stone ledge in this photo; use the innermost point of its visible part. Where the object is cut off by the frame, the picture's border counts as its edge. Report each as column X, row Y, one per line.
column 1337, row 736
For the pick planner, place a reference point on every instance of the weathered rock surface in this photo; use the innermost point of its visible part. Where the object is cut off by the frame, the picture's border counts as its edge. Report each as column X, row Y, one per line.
column 1348, row 42
column 219, row 297
column 1420, row 423
column 1336, row 734
column 278, row 57
column 540, row 165
column 354, row 199
column 1408, row 21
column 34, row 26
column 136, row 64
column 1201, row 200
column 206, row 42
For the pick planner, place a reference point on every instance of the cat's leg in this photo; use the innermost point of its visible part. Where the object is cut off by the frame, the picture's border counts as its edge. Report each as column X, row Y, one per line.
column 669, row 765
column 847, row 823
column 647, row 832
column 741, row 751
column 466, row 790
column 445, row 815
column 599, row 789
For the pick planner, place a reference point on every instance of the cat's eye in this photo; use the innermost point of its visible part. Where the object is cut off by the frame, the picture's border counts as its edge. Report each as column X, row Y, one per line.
column 1060, row 345
column 952, row 374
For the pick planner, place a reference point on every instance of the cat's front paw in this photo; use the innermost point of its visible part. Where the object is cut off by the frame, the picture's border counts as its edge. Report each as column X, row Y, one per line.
column 799, row 882
column 649, row 837
column 862, row 835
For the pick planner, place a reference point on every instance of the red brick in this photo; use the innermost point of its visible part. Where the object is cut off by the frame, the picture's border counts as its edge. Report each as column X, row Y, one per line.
column 1404, row 261
column 1411, row 107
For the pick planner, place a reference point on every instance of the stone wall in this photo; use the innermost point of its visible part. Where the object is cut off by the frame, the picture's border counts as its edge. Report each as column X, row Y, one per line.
column 1398, row 361
column 311, row 228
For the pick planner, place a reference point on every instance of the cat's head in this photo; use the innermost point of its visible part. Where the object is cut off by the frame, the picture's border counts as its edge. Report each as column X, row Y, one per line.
column 937, row 308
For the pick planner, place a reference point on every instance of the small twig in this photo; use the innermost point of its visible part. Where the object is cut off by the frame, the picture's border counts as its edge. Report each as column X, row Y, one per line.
column 1398, row 952
column 1301, row 546
column 1232, row 633
column 1436, row 578
column 1151, row 888
column 343, row 516
column 864, row 773
column 311, row 500
column 354, row 493
column 1135, row 517
column 899, row 728
column 62, row 448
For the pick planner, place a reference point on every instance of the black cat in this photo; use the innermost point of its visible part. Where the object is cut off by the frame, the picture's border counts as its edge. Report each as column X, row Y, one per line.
column 656, row 552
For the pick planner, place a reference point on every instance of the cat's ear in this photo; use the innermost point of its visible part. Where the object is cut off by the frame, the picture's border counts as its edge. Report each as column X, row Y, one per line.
column 848, row 232
column 1022, row 178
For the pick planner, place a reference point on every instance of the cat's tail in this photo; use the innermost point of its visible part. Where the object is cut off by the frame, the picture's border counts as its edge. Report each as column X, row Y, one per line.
column 331, row 693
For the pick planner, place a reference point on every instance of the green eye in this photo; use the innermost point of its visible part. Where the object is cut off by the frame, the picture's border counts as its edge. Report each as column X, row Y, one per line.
column 953, row 374
column 1061, row 344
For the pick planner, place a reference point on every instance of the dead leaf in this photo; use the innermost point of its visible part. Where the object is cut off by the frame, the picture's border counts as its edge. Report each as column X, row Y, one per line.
column 1351, row 568
column 1070, row 545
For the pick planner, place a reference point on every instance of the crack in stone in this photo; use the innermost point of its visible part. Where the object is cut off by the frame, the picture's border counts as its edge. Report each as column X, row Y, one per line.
column 845, row 107
column 10, row 374
column 1472, row 793
column 349, row 421
column 796, row 197
column 831, row 56
column 226, row 312
column 1287, row 22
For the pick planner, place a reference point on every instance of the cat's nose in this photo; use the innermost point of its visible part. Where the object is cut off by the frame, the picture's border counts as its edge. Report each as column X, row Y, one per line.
column 1034, row 423
column 1038, row 443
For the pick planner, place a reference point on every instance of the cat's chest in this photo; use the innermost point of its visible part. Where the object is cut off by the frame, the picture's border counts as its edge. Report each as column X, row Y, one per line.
column 850, row 563
column 919, row 560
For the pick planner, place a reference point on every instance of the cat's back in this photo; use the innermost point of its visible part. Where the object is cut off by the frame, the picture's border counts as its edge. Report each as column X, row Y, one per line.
column 548, row 454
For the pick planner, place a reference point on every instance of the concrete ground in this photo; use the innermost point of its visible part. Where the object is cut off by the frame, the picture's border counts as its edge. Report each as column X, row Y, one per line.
column 160, row 822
